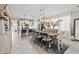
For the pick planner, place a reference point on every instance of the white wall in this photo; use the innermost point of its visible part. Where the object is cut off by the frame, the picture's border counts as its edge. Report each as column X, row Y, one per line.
column 75, row 14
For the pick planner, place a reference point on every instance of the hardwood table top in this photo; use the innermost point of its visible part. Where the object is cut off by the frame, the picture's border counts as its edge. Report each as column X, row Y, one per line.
column 53, row 34
column 44, row 32
column 49, row 33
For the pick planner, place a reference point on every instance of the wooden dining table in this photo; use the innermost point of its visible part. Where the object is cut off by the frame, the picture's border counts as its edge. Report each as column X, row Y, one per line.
column 50, row 34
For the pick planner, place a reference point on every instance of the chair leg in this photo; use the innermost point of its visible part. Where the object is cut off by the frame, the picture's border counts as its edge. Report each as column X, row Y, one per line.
column 41, row 43
column 47, row 46
column 46, row 49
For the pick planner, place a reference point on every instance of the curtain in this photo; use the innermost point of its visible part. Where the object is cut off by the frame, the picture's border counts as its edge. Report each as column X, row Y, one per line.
column 64, row 26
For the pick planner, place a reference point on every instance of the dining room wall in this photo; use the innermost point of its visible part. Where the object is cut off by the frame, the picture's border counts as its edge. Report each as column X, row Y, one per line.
column 64, row 28
column 74, row 15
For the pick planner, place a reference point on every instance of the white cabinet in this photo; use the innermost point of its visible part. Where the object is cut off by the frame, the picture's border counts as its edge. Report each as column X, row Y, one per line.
column 2, row 27
column 5, row 43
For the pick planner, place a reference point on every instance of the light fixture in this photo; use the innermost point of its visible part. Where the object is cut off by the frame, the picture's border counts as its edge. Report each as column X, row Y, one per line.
column 43, row 13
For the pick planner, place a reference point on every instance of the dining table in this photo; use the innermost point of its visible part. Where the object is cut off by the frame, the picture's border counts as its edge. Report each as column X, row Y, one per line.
column 50, row 34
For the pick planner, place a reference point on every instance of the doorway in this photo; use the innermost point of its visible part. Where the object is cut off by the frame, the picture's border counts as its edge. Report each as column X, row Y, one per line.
column 76, row 28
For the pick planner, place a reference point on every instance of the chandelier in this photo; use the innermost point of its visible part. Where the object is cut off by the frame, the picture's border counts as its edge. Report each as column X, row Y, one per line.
column 43, row 14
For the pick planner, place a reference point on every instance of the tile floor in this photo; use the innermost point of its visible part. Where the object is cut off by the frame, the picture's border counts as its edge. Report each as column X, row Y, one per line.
column 22, row 46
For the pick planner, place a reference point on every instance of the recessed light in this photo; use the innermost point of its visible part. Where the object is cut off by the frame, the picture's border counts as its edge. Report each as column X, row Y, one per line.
column 77, row 6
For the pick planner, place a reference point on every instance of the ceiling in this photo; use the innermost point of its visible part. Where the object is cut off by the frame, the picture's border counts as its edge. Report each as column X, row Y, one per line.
column 33, row 10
